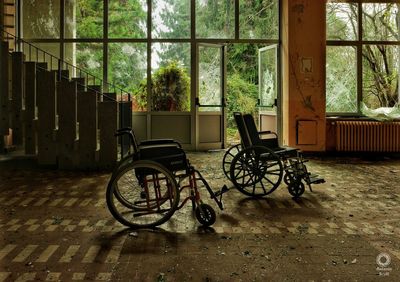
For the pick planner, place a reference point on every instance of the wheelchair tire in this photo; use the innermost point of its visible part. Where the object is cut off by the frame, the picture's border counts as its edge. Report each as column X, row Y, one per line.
column 256, row 171
column 228, row 157
column 205, row 214
column 296, row 189
column 149, row 200
column 288, row 178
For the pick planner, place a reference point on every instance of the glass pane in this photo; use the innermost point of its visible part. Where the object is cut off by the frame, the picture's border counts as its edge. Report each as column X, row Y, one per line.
column 88, row 57
column 341, row 79
column 41, row 19
column 171, row 19
column 215, row 19
column 127, row 64
column 210, row 80
column 43, row 53
column 170, row 76
column 268, row 76
column 342, row 21
column 83, row 19
column 259, row 19
column 127, row 19
column 381, row 21
column 381, row 69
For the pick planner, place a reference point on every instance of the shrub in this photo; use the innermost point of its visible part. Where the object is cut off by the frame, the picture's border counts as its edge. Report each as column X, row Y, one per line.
column 170, row 88
column 242, row 97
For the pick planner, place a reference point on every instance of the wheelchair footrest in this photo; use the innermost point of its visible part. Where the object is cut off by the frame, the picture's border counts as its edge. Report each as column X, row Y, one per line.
column 315, row 179
column 223, row 190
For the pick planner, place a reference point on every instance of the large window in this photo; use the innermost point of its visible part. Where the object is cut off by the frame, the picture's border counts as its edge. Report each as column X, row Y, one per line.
column 147, row 46
column 363, row 55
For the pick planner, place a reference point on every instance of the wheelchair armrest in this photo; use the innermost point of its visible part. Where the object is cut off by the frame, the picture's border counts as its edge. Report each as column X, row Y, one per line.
column 153, row 142
column 267, row 132
column 124, row 129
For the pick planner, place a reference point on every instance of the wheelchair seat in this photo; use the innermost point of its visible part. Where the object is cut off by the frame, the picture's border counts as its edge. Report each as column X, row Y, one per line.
column 167, row 152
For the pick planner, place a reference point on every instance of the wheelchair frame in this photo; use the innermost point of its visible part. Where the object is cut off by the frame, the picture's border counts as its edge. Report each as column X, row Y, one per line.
column 256, row 166
column 153, row 191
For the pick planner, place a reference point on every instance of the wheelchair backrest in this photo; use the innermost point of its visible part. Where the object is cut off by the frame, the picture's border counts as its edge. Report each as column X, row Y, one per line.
column 241, row 126
column 254, row 135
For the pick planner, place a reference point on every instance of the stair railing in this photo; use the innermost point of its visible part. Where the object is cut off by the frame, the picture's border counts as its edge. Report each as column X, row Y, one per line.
column 31, row 50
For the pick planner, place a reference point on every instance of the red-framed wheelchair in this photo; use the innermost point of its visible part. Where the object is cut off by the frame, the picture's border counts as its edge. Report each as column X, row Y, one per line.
column 145, row 188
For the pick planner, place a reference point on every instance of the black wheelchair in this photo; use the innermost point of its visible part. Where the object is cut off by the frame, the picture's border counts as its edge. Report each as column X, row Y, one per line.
column 257, row 165
column 145, row 187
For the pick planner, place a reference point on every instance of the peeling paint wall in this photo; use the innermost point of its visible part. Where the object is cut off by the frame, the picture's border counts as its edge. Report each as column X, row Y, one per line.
column 303, row 82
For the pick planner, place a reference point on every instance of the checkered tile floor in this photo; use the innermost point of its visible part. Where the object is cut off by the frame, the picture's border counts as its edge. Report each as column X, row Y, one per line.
column 55, row 226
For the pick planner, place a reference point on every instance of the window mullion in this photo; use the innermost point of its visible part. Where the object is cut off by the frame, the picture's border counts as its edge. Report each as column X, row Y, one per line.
column 105, row 45
column 237, row 26
column 359, row 59
column 149, row 27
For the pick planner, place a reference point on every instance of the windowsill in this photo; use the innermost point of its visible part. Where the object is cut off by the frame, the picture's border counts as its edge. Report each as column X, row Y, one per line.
column 333, row 118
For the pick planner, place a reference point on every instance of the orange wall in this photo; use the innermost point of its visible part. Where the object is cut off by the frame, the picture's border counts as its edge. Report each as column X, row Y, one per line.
column 303, row 82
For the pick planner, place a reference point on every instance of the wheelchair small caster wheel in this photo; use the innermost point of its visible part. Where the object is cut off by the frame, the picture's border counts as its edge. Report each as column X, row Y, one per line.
column 287, row 178
column 205, row 214
column 296, row 189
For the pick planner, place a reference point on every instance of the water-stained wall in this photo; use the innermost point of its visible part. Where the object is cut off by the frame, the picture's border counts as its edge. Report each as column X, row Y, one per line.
column 303, row 58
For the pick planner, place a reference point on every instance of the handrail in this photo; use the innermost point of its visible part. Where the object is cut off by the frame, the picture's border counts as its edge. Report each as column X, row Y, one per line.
column 60, row 67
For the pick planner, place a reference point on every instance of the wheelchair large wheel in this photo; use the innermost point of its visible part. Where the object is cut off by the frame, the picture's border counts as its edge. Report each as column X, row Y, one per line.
column 256, row 171
column 228, row 157
column 124, row 199
column 149, row 191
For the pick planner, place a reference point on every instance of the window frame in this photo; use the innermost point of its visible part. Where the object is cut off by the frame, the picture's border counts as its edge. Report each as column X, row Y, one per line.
column 192, row 40
column 359, row 43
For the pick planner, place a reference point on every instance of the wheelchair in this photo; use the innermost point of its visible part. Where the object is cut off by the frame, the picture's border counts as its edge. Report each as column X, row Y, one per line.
column 257, row 166
column 145, row 187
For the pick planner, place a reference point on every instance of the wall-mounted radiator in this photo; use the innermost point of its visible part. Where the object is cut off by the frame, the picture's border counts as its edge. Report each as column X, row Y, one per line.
column 367, row 136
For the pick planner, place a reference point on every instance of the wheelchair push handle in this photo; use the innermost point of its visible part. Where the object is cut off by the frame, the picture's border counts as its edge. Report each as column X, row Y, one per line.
column 129, row 131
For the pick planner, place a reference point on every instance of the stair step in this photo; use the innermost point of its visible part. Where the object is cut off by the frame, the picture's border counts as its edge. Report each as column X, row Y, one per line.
column 109, row 97
column 41, row 66
column 81, row 83
column 95, row 88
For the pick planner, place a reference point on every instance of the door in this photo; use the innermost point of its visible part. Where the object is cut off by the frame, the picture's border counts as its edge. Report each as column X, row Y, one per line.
column 210, row 96
column 268, row 88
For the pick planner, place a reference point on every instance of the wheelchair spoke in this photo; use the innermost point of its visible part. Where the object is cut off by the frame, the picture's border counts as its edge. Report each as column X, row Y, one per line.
column 262, row 186
column 268, row 180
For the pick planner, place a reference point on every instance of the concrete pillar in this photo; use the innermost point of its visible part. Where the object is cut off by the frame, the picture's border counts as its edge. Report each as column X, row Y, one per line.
column 17, row 98
column 108, row 119
column 303, row 61
column 67, row 123
column 30, row 108
column 4, row 93
column 46, row 103
column 87, row 119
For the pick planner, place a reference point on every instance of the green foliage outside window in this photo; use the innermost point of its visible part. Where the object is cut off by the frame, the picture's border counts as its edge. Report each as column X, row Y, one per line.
column 242, row 97
column 170, row 89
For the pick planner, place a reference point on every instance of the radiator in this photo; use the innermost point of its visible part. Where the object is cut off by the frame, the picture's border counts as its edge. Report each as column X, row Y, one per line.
column 367, row 136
